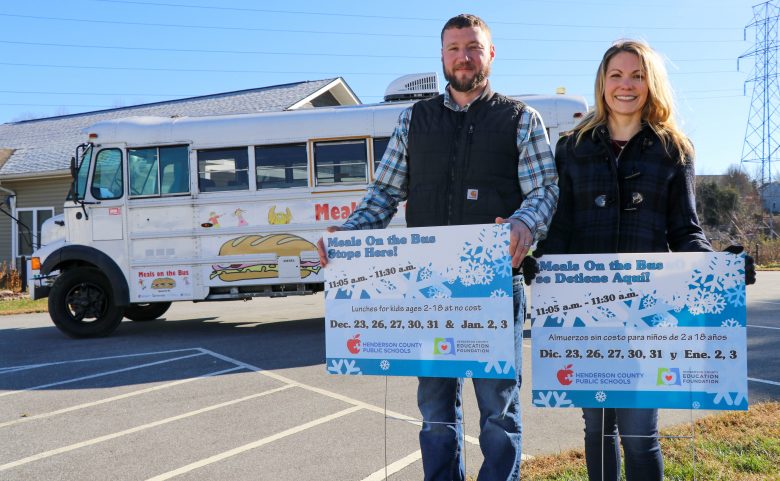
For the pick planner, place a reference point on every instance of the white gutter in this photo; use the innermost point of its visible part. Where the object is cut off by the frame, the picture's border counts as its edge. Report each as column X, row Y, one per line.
column 36, row 175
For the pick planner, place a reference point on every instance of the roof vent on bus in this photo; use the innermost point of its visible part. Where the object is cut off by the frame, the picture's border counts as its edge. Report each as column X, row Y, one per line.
column 413, row 87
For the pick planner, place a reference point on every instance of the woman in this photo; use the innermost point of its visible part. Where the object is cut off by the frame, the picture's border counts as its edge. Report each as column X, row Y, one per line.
column 627, row 185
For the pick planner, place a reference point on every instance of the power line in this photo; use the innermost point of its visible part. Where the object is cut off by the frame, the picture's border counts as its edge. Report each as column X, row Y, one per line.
column 39, row 92
column 318, row 32
column 714, row 97
column 312, row 54
column 389, row 17
column 182, row 95
column 197, row 70
column 280, row 72
column 54, row 105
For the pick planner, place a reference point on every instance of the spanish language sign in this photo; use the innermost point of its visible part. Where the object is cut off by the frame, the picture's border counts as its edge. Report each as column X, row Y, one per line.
column 640, row 330
column 433, row 301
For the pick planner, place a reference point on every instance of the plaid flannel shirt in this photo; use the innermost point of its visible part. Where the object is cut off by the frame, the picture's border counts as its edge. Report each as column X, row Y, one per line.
column 536, row 175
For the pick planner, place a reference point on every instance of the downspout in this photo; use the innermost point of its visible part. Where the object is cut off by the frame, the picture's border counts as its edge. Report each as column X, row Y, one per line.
column 12, row 206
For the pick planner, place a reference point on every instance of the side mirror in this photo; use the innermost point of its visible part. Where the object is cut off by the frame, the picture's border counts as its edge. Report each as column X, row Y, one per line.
column 73, row 167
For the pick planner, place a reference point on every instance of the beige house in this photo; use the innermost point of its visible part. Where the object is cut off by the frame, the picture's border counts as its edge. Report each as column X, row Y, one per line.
column 35, row 154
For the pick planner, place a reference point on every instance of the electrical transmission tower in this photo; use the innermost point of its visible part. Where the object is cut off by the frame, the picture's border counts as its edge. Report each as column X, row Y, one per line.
column 762, row 138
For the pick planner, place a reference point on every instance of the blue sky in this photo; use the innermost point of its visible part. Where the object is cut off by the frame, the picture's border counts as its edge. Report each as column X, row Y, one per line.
column 61, row 57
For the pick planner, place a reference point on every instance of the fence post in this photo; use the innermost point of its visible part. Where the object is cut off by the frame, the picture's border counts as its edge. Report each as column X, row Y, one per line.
column 23, row 274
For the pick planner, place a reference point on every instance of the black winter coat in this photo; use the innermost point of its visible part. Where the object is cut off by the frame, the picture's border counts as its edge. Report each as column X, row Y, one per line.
column 642, row 202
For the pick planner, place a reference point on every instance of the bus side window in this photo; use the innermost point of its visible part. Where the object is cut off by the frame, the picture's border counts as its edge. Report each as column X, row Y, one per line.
column 107, row 180
column 223, row 169
column 174, row 170
column 343, row 161
column 380, row 145
column 143, row 170
column 281, row 166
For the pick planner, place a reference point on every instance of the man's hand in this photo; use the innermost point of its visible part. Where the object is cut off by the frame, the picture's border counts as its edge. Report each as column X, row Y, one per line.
column 520, row 239
column 321, row 246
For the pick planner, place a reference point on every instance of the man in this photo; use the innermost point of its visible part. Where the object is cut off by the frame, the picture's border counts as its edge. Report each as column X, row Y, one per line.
column 469, row 156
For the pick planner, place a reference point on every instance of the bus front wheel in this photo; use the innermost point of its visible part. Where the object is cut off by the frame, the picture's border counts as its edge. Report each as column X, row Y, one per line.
column 146, row 312
column 81, row 303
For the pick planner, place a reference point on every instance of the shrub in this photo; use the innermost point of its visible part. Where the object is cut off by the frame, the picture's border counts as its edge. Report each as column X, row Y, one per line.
column 10, row 278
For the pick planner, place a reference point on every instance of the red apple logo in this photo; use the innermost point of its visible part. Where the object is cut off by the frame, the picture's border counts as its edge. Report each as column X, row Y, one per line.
column 565, row 375
column 353, row 344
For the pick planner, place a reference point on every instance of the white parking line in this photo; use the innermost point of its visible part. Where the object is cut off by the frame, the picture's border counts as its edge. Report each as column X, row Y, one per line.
column 104, row 373
column 767, row 302
column 394, row 467
column 764, row 381
column 116, row 398
column 107, row 437
column 330, row 394
column 253, row 445
column 764, row 327
column 4, row 370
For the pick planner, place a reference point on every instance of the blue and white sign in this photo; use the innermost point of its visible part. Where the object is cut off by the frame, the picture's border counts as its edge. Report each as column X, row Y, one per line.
column 640, row 330
column 433, row 301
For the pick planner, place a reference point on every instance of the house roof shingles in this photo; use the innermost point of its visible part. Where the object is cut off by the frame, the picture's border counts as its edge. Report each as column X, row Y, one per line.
column 46, row 145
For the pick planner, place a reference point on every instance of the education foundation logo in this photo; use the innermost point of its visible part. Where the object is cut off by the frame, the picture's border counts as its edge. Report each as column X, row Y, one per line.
column 668, row 376
column 443, row 346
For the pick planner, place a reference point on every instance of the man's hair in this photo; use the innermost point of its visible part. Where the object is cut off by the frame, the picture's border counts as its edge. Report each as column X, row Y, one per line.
column 465, row 20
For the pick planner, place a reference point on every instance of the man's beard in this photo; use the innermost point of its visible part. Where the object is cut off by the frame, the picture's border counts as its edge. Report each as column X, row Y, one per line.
column 466, row 85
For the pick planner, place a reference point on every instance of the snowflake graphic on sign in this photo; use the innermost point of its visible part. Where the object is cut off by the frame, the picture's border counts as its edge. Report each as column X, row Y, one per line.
column 481, row 260
column 343, row 366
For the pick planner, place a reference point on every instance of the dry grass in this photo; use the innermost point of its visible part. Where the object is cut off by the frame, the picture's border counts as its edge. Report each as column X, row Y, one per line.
column 733, row 446
column 9, row 278
column 22, row 305
column 569, row 466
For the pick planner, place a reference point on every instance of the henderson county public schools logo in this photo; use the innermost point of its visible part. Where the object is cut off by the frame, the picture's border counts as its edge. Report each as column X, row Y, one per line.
column 444, row 346
column 566, row 375
column 353, row 344
column 668, row 376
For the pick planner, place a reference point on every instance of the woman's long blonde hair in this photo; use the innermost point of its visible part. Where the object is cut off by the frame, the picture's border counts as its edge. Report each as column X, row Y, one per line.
column 658, row 109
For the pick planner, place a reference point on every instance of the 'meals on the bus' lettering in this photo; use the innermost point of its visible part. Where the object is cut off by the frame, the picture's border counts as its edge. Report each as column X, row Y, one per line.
column 336, row 212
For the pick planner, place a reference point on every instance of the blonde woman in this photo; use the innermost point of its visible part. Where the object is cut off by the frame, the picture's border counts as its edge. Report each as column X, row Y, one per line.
column 626, row 184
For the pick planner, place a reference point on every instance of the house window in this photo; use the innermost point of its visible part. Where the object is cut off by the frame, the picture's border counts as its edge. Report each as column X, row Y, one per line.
column 280, row 166
column 223, row 169
column 158, row 169
column 341, row 162
column 380, row 145
column 28, row 229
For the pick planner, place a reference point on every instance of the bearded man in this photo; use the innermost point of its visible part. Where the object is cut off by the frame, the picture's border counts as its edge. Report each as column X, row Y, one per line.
column 468, row 156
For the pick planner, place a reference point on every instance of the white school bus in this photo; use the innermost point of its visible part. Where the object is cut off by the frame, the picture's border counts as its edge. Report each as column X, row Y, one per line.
column 212, row 208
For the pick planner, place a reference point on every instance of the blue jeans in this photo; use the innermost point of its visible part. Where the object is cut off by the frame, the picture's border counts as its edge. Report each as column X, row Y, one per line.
column 643, row 455
column 440, row 403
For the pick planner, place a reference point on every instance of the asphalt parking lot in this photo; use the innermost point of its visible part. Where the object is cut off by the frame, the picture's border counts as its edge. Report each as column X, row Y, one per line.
column 239, row 391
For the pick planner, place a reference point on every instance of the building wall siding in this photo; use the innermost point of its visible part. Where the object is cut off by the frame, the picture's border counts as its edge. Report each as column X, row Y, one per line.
column 35, row 192
column 770, row 196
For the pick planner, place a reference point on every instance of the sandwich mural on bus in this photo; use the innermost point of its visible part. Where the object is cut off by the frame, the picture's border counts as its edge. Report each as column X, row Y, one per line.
column 279, row 249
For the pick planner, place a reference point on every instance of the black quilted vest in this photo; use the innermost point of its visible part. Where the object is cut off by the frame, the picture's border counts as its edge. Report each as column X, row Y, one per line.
column 463, row 165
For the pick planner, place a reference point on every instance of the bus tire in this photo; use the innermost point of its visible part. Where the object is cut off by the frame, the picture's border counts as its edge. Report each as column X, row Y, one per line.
column 146, row 312
column 81, row 303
